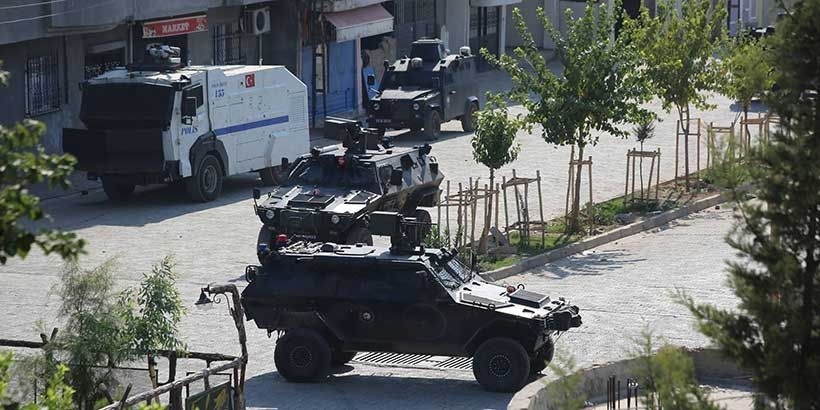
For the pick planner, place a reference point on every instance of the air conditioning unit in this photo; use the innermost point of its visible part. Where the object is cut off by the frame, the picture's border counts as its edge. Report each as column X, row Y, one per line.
column 256, row 21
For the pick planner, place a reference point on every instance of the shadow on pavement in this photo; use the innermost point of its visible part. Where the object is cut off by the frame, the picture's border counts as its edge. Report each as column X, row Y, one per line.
column 356, row 391
column 147, row 205
column 589, row 264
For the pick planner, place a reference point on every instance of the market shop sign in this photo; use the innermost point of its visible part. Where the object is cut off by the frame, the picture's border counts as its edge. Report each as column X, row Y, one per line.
column 174, row 27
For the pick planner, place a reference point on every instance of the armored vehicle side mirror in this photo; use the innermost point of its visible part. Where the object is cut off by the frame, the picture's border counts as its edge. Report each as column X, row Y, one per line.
column 386, row 64
column 257, row 194
column 473, row 262
column 396, row 177
column 189, row 107
column 371, row 79
column 285, row 163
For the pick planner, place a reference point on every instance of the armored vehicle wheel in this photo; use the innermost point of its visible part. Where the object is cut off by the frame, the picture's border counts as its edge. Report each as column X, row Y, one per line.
column 501, row 364
column 468, row 119
column 432, row 125
column 117, row 191
column 543, row 357
column 273, row 176
column 424, row 217
column 302, row 355
column 359, row 234
column 206, row 184
column 338, row 357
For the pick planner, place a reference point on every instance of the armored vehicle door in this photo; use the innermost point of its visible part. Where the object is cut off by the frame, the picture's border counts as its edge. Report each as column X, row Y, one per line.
column 373, row 302
column 453, row 96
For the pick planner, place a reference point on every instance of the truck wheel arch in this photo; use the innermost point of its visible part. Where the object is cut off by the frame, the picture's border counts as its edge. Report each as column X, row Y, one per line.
column 208, row 144
column 505, row 328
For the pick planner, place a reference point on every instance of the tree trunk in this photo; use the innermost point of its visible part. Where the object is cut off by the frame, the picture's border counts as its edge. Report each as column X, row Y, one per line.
column 152, row 374
column 640, row 169
column 575, row 220
column 488, row 213
column 747, row 136
column 684, row 124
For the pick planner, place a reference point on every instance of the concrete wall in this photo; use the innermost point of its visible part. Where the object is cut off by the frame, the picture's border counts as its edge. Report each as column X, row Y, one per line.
column 457, row 17
column 527, row 8
column 281, row 44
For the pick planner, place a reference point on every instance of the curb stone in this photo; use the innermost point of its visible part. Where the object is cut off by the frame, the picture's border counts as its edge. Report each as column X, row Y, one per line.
column 710, row 364
column 606, row 237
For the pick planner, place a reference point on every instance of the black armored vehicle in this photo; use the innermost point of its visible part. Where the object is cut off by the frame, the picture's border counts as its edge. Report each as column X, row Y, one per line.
column 330, row 192
column 426, row 89
column 329, row 301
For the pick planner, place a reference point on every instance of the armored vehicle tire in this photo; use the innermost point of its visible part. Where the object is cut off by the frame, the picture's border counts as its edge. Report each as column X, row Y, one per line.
column 117, row 191
column 542, row 358
column 424, row 217
column 206, row 184
column 359, row 234
column 272, row 176
column 432, row 125
column 338, row 357
column 302, row 355
column 501, row 364
column 468, row 119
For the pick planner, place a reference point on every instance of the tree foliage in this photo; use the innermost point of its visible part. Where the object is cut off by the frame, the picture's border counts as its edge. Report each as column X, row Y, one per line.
column 667, row 377
column 749, row 71
column 677, row 49
column 494, row 146
column 566, row 393
column 57, row 396
column 24, row 162
column 601, row 86
column 775, row 332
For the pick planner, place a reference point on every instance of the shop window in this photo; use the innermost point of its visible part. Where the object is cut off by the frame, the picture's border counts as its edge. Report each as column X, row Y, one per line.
column 227, row 44
column 42, row 84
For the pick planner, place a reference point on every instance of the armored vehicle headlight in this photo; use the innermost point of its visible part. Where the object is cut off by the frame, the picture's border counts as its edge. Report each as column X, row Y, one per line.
column 335, row 219
column 416, row 106
column 269, row 214
column 376, row 106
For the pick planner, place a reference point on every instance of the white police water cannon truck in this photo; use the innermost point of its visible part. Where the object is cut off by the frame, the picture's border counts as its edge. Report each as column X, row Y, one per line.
column 160, row 122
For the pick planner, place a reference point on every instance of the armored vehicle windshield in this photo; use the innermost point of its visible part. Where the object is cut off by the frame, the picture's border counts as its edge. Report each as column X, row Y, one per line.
column 331, row 171
column 401, row 80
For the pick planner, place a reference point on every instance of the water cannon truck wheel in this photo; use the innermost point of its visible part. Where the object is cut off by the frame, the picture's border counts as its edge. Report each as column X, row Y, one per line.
column 117, row 191
column 501, row 364
column 272, row 176
column 432, row 125
column 206, row 183
column 359, row 234
column 339, row 357
column 468, row 119
column 302, row 355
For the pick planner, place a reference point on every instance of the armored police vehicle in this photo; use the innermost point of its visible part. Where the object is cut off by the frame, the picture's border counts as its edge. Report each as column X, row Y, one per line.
column 424, row 91
column 329, row 301
column 331, row 191
column 158, row 122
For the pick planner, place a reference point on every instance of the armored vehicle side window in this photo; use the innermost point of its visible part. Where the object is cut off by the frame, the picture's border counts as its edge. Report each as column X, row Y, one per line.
column 195, row 92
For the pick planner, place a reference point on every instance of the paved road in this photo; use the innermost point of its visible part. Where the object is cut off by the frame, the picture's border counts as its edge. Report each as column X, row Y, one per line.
column 213, row 242
column 621, row 287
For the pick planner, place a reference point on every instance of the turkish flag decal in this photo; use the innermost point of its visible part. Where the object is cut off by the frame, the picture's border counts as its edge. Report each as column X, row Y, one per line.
column 250, row 80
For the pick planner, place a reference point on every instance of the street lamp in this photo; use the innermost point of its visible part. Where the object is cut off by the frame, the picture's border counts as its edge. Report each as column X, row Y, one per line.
column 235, row 309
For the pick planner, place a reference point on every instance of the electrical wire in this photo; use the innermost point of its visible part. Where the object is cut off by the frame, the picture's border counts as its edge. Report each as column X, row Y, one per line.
column 20, row 20
column 20, row 6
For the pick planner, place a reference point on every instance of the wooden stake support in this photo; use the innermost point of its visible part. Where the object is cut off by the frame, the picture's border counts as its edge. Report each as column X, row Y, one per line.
column 680, row 133
column 573, row 164
column 644, row 192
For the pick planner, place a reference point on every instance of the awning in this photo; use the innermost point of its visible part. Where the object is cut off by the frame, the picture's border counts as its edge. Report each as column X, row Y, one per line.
column 493, row 3
column 360, row 22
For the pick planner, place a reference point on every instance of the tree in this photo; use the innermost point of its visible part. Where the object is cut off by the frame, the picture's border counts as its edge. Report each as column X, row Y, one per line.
column 749, row 72
column 775, row 331
column 57, row 396
column 601, row 86
column 677, row 49
column 494, row 146
column 23, row 162
column 154, row 313
column 644, row 131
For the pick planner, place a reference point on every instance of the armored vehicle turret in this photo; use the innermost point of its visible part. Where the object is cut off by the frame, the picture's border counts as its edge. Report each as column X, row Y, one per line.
column 331, row 301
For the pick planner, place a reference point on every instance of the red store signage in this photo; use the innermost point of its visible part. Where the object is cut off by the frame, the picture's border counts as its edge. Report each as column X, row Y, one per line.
column 174, row 27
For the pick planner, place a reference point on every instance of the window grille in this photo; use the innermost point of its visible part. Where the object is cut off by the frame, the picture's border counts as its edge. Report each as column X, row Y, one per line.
column 227, row 44
column 42, row 84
